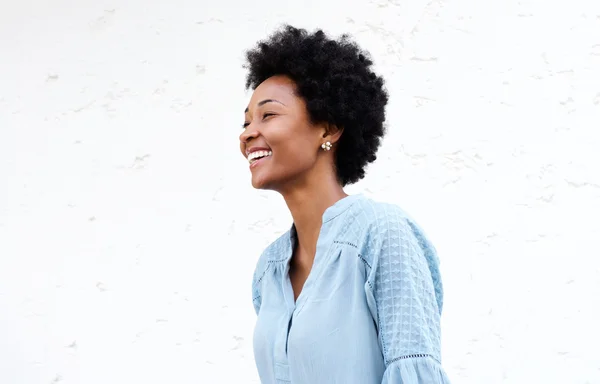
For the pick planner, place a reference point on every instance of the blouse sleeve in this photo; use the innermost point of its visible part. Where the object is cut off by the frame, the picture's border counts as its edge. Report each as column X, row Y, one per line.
column 404, row 296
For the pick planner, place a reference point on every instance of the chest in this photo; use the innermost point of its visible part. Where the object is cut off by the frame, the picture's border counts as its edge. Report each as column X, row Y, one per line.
column 300, row 267
column 308, row 320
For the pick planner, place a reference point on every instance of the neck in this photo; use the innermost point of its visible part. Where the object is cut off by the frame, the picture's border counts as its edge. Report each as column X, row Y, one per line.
column 307, row 204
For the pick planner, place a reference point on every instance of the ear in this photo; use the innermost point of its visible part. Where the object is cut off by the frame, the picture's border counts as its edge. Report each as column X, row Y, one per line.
column 332, row 133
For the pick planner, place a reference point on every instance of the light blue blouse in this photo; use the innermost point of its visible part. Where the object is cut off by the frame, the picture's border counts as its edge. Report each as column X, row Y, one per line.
column 369, row 311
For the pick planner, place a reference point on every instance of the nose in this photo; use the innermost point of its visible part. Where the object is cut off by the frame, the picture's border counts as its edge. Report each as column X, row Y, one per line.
column 249, row 133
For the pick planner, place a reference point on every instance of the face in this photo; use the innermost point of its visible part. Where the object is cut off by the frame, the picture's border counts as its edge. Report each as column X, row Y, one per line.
column 280, row 142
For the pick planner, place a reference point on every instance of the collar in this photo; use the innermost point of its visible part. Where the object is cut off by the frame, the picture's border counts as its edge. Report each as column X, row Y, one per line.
column 330, row 213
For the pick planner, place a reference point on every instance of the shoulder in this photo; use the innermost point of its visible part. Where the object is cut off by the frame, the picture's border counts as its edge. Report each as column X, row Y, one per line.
column 380, row 219
column 382, row 229
column 396, row 244
column 276, row 251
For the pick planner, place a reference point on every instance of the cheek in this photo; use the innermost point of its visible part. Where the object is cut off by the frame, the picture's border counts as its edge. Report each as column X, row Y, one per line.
column 297, row 155
column 294, row 147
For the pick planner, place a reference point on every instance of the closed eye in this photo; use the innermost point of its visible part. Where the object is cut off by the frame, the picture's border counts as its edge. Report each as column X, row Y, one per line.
column 266, row 115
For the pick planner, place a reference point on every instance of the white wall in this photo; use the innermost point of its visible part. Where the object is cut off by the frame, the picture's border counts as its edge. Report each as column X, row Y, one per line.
column 129, row 229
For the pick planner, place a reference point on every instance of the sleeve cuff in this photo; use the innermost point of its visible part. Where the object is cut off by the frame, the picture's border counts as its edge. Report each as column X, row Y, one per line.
column 415, row 370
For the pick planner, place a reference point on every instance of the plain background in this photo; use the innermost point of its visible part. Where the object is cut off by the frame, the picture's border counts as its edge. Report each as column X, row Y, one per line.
column 129, row 230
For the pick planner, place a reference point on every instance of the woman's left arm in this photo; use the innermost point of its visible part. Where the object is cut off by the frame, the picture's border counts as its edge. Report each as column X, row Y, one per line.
column 404, row 296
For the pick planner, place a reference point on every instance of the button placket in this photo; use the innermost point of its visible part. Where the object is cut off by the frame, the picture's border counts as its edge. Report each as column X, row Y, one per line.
column 281, row 357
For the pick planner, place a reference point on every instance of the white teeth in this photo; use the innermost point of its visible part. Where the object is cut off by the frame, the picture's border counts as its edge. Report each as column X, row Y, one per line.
column 258, row 154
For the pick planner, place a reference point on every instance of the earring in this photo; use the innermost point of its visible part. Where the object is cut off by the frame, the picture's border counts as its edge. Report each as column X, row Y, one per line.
column 326, row 146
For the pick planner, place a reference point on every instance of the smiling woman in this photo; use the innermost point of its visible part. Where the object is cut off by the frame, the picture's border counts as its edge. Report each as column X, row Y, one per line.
column 277, row 122
column 352, row 292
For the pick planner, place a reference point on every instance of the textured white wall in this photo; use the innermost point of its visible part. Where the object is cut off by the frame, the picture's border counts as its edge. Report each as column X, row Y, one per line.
column 129, row 229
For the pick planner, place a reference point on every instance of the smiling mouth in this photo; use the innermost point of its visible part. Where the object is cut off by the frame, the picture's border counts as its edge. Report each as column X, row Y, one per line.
column 257, row 155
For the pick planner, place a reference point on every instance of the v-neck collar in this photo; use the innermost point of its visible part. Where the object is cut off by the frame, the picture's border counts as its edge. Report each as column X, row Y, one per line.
column 330, row 213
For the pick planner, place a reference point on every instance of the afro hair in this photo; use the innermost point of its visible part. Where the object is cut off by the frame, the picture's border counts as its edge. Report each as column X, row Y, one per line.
column 335, row 80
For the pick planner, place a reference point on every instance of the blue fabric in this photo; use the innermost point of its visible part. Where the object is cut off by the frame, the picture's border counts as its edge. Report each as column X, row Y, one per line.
column 369, row 311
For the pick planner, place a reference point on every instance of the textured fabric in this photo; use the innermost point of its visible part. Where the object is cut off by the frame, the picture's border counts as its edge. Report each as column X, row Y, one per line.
column 369, row 311
column 415, row 370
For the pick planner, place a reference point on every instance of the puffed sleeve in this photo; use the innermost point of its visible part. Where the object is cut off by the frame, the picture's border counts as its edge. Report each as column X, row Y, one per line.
column 404, row 294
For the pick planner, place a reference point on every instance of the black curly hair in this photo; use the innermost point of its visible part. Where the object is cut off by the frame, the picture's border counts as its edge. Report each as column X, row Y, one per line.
column 335, row 79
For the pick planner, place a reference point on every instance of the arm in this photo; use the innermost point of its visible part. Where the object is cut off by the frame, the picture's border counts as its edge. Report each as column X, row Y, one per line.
column 404, row 295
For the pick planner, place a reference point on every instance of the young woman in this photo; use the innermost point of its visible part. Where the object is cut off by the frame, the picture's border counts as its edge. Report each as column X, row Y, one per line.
column 352, row 292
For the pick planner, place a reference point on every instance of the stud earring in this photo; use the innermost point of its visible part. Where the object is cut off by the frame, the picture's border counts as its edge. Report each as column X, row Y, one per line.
column 326, row 146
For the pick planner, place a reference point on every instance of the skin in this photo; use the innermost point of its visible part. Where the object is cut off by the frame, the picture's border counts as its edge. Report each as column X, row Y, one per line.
column 299, row 169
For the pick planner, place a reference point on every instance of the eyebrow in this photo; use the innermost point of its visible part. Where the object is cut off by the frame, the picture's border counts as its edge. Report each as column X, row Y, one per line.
column 263, row 102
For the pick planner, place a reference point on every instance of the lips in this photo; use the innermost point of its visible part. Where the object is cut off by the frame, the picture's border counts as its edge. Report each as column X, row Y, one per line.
column 258, row 162
column 255, row 154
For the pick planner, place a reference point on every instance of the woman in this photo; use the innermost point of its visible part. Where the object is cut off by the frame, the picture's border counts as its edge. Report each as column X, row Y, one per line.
column 352, row 292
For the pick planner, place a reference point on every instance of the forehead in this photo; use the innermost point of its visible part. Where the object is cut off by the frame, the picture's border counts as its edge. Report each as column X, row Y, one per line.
column 280, row 88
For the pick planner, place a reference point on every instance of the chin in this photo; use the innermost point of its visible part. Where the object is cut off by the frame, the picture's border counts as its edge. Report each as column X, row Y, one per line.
column 274, row 181
column 261, row 183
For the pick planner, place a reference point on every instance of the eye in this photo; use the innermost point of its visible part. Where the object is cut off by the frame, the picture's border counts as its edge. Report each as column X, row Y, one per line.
column 265, row 116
